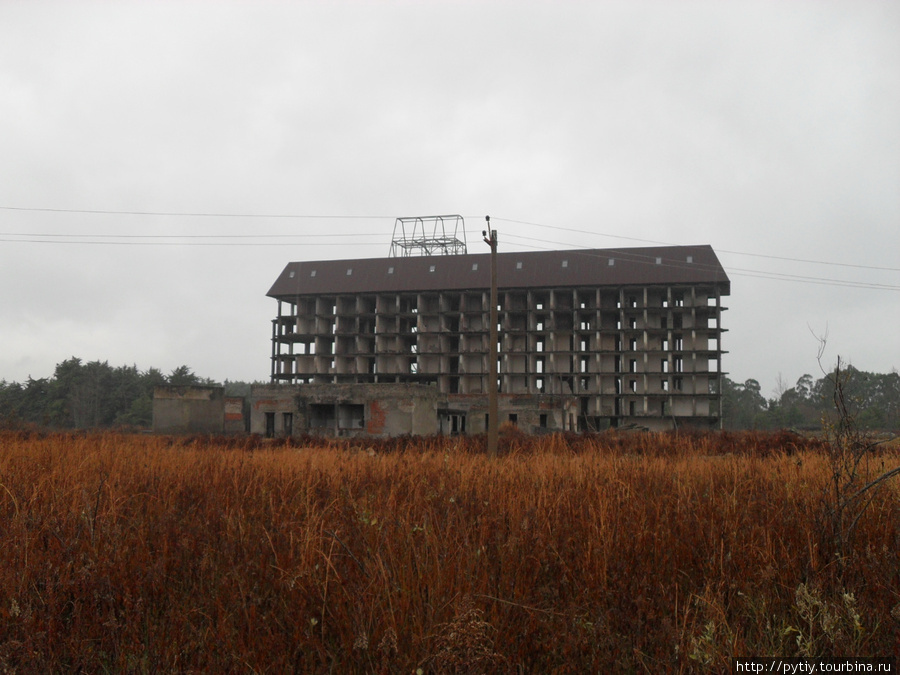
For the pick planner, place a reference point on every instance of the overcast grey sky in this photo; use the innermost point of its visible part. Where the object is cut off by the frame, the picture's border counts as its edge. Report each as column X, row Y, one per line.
column 770, row 130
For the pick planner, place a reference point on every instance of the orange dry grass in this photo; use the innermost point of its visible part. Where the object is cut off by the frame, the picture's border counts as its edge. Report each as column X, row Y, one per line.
column 635, row 553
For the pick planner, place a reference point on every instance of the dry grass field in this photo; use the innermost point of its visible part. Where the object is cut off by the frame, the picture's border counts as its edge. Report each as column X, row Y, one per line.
column 644, row 553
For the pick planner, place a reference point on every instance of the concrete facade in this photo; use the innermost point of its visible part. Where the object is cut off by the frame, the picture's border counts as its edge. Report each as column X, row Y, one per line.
column 587, row 339
column 345, row 410
column 188, row 409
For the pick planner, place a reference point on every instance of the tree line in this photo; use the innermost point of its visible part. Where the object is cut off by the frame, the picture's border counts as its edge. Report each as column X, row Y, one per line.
column 92, row 395
column 873, row 398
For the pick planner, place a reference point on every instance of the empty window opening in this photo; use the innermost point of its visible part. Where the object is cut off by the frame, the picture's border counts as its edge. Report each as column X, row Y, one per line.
column 351, row 416
column 514, row 418
column 321, row 415
column 632, row 365
column 542, row 421
column 312, row 273
column 612, row 261
column 518, row 265
column 349, row 271
column 291, row 275
column 431, row 268
column 474, row 267
column 664, row 385
column 565, row 263
column 457, row 424
column 390, row 270
column 632, row 385
column 270, row 424
column 287, row 423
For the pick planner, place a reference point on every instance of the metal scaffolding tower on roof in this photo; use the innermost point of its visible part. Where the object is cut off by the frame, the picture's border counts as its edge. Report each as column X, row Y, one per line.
column 428, row 235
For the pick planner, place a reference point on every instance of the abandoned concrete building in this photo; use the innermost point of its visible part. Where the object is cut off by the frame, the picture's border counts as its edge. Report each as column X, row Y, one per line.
column 587, row 339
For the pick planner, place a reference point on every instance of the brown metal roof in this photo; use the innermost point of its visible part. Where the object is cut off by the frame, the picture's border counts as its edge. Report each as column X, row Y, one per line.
column 535, row 269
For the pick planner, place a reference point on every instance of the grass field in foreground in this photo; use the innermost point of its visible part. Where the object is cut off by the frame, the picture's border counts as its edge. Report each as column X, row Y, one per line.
column 567, row 554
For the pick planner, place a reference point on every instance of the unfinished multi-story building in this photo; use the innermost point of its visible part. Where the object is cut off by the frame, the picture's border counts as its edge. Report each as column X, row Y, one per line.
column 587, row 338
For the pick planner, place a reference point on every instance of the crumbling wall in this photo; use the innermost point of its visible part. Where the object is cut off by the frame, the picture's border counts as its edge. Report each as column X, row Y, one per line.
column 188, row 409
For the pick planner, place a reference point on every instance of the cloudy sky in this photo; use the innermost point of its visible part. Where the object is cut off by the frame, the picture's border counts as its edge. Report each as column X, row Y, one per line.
column 161, row 162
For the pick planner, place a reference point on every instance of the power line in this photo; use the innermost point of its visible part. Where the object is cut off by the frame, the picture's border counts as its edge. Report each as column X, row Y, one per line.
column 182, row 243
column 736, row 271
column 718, row 250
column 204, row 240
column 184, row 236
column 188, row 214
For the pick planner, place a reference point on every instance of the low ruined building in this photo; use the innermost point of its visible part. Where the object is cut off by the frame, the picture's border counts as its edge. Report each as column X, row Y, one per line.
column 587, row 338
column 346, row 410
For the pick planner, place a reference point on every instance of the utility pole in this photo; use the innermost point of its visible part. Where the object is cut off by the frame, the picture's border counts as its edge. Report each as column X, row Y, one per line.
column 490, row 238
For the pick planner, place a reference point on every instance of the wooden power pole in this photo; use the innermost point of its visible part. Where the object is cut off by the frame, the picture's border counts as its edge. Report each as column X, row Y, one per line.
column 490, row 238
